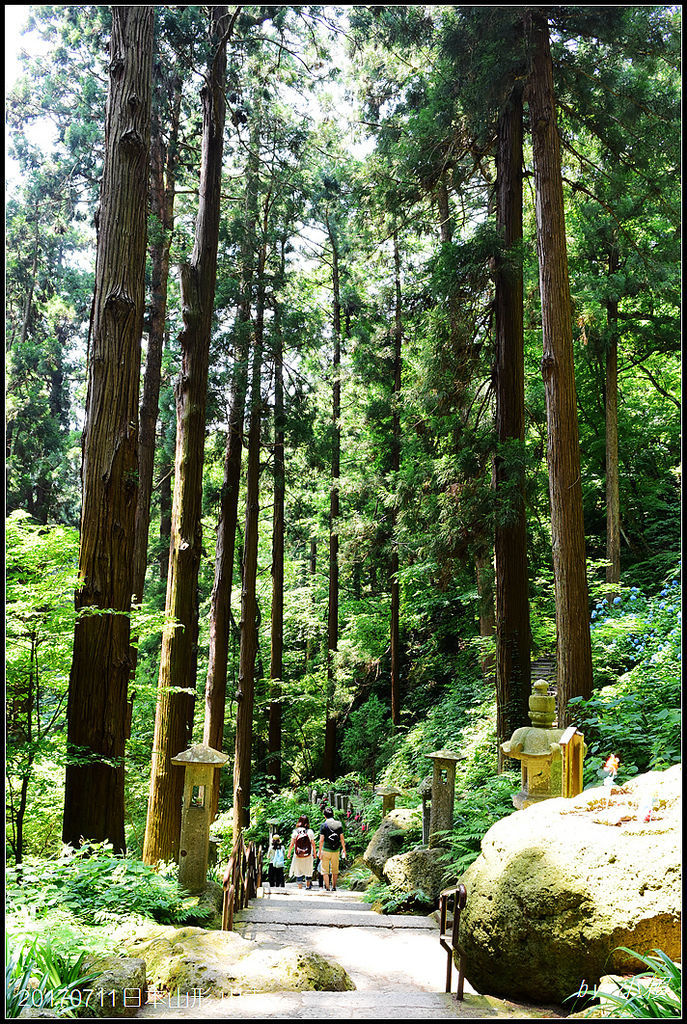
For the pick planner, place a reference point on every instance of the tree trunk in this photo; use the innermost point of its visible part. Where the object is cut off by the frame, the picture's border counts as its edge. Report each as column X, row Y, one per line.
column 573, row 647
column 612, row 472
column 513, row 637
column 162, row 177
column 166, row 471
column 329, row 768
column 277, row 623
column 245, row 693
column 395, row 467
column 312, row 569
column 178, row 659
column 464, row 357
column 220, row 604
column 97, row 701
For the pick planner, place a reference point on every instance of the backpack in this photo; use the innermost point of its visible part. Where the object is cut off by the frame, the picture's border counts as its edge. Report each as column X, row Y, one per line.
column 278, row 859
column 302, row 847
column 332, row 834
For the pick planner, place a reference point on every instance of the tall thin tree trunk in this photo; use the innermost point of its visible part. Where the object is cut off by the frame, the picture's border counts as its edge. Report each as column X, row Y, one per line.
column 464, row 367
column 97, row 701
column 612, row 466
column 245, row 693
column 333, row 605
column 178, row 659
column 312, row 569
column 166, row 472
column 395, row 467
column 162, row 204
column 513, row 637
column 277, row 622
column 573, row 647
column 220, row 604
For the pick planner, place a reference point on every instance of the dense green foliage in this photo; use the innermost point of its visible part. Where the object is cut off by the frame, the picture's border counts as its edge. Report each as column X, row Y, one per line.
column 361, row 117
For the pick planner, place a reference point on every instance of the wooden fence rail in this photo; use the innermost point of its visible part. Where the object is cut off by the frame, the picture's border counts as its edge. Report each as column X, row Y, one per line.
column 242, row 878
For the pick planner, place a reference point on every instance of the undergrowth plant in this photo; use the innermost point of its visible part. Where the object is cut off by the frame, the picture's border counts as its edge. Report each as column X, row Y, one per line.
column 37, row 976
column 97, row 886
column 656, row 992
column 474, row 814
column 392, row 899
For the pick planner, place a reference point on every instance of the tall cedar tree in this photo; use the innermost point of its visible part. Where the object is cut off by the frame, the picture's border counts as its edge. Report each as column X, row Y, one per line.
column 178, row 659
column 573, row 645
column 611, row 416
column 220, row 603
column 329, row 769
column 245, row 693
column 277, row 621
column 513, row 639
column 101, row 665
column 163, row 160
column 395, row 642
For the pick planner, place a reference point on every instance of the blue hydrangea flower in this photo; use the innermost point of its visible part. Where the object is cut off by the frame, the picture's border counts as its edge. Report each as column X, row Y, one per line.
column 617, row 600
column 633, row 597
column 593, row 615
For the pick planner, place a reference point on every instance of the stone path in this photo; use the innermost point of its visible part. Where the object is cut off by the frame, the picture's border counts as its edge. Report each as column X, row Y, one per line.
column 395, row 962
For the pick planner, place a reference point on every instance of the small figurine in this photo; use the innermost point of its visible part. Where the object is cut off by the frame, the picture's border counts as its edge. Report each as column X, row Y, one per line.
column 611, row 766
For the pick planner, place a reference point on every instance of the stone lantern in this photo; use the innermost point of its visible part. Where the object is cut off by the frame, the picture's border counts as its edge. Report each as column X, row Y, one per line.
column 199, row 763
column 388, row 795
column 538, row 749
column 443, row 791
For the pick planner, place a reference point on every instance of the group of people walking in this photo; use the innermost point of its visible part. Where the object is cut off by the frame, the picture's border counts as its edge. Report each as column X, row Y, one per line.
column 305, row 848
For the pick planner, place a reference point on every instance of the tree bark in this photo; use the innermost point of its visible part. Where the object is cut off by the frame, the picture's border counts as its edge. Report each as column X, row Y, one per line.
column 96, row 712
column 178, row 659
column 162, row 177
column 329, row 768
column 395, row 467
column 245, row 694
column 220, row 604
column 612, row 465
column 513, row 636
column 573, row 646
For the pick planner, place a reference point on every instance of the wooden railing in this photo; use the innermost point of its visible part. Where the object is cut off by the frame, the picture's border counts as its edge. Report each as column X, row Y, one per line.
column 448, row 933
column 242, row 879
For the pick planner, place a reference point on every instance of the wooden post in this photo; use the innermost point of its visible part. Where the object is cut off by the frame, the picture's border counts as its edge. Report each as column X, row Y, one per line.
column 572, row 751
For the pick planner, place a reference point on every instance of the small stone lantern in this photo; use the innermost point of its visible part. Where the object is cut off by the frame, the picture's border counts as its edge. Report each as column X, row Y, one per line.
column 538, row 749
column 443, row 791
column 388, row 795
column 200, row 763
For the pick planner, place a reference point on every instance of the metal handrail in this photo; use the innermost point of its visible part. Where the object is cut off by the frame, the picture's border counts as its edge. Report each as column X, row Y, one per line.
column 242, row 879
column 449, row 939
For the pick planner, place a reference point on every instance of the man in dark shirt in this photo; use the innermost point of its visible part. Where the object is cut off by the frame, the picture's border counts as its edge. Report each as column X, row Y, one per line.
column 331, row 842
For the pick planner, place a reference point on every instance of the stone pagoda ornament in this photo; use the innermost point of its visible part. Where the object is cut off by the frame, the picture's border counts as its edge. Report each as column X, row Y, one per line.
column 200, row 764
column 537, row 747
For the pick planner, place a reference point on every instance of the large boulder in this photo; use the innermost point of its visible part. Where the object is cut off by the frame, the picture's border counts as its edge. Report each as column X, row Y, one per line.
column 215, row 963
column 558, row 886
column 388, row 839
column 417, row 869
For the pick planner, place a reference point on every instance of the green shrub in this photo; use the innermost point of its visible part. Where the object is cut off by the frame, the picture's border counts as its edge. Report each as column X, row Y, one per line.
column 474, row 815
column 637, row 717
column 97, row 886
column 390, row 899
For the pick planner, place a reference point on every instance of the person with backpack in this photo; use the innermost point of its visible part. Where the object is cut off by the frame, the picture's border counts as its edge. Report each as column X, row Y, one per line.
column 331, row 843
column 275, row 862
column 303, row 846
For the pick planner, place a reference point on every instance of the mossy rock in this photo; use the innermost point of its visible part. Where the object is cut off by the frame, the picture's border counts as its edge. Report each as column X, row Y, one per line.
column 560, row 885
column 217, row 962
